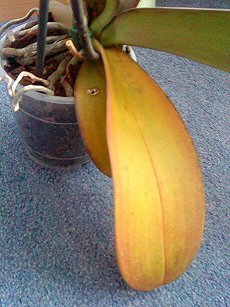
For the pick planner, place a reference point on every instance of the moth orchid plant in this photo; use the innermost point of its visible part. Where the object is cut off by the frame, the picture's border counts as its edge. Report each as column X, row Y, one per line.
column 133, row 132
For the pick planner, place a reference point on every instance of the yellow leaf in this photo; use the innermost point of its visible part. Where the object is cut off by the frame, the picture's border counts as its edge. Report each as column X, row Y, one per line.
column 158, row 188
column 90, row 97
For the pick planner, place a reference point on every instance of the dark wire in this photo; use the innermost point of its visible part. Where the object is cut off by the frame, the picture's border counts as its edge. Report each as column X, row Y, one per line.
column 42, row 33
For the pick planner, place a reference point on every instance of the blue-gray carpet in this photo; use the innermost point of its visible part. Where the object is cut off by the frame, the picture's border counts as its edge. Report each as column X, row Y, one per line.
column 56, row 228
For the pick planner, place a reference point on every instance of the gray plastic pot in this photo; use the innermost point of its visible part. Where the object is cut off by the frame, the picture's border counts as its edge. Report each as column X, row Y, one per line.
column 49, row 130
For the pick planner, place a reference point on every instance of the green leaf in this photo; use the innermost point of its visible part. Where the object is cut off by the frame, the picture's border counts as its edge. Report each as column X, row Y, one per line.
column 90, row 98
column 197, row 34
column 158, row 187
column 106, row 16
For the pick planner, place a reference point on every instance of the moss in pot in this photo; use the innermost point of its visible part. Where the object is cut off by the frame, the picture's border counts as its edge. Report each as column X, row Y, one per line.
column 133, row 132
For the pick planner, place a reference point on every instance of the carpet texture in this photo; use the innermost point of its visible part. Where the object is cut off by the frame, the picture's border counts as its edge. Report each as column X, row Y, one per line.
column 56, row 227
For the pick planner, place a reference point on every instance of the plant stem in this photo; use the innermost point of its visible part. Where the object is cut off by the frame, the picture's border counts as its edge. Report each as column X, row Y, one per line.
column 41, row 42
column 82, row 26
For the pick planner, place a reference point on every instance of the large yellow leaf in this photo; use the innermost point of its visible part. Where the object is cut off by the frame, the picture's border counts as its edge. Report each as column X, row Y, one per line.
column 198, row 34
column 158, row 188
column 90, row 97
